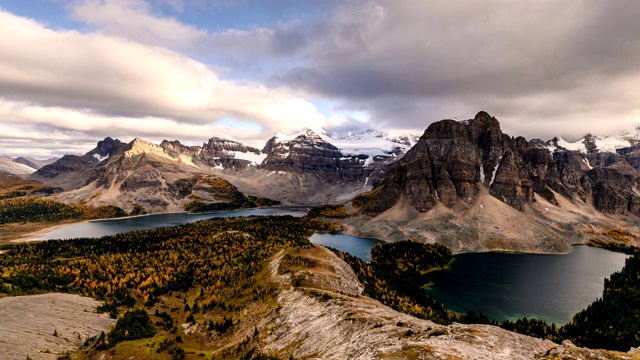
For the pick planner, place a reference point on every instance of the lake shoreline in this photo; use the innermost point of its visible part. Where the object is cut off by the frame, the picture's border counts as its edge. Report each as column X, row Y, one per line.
column 37, row 235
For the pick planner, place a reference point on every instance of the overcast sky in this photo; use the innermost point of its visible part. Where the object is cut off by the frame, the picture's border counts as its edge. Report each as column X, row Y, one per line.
column 75, row 71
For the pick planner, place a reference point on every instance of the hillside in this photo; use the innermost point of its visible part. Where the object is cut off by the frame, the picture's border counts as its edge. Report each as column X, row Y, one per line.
column 12, row 186
column 8, row 166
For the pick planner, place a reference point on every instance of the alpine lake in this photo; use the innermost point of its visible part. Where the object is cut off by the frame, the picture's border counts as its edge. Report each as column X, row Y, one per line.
column 501, row 285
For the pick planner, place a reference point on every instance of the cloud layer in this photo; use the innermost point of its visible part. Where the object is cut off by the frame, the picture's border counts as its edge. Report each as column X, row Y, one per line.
column 105, row 85
column 139, row 69
column 542, row 68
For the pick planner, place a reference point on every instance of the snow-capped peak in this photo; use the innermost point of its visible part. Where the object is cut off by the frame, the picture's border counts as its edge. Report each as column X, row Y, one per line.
column 371, row 143
column 591, row 143
column 306, row 132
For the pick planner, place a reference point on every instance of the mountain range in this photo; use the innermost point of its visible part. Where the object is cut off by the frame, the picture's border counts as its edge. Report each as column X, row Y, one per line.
column 22, row 165
column 307, row 168
column 462, row 183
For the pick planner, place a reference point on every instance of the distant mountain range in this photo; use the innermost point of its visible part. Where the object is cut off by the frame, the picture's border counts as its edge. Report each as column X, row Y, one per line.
column 306, row 168
column 22, row 165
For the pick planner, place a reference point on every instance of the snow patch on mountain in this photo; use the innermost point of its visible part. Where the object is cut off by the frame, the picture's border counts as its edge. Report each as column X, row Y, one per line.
column 575, row 146
column 373, row 143
column 256, row 159
column 100, row 158
column 611, row 143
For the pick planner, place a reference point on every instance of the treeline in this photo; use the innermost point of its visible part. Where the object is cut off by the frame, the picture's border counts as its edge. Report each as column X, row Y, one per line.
column 329, row 211
column 198, row 205
column 39, row 209
column 613, row 321
column 614, row 246
column 616, row 239
column 133, row 325
column 227, row 196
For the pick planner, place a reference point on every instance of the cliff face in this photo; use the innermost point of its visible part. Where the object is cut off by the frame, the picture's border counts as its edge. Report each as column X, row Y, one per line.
column 217, row 154
column 453, row 159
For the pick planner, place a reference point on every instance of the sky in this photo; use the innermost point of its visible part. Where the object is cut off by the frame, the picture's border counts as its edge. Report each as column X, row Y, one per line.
column 73, row 72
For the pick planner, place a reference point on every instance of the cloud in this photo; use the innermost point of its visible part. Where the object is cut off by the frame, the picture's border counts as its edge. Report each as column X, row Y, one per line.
column 541, row 68
column 89, row 82
column 414, row 62
column 133, row 19
column 525, row 62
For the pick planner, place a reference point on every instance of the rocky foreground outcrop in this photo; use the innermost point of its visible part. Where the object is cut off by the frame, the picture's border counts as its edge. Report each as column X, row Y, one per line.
column 41, row 327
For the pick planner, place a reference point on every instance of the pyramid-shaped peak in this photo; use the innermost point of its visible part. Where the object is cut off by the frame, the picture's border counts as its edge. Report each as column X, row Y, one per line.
column 309, row 131
column 143, row 144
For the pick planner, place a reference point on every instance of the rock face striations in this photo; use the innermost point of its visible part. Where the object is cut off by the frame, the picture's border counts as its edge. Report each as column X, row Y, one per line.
column 453, row 160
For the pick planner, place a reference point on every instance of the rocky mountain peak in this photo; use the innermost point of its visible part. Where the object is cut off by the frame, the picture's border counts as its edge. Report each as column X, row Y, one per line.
column 454, row 160
column 108, row 146
column 139, row 146
column 222, row 144
column 589, row 142
column 105, row 148
column 483, row 119
column 310, row 134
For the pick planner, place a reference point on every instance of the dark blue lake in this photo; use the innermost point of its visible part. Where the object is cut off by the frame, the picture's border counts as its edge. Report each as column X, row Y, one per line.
column 507, row 285
column 98, row 228
column 512, row 286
